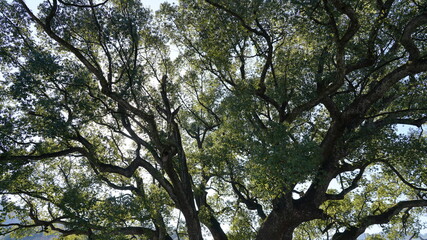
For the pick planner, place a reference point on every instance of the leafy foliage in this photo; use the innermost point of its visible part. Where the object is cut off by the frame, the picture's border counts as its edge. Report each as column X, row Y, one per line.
column 278, row 119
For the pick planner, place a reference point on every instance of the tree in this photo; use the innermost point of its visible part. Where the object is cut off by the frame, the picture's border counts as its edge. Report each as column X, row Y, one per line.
column 277, row 119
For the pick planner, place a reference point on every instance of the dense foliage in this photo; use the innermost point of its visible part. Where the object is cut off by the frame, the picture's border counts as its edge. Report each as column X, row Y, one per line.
column 223, row 119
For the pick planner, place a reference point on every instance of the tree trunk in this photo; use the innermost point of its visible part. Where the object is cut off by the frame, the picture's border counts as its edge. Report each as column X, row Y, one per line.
column 194, row 229
column 192, row 222
column 277, row 226
column 215, row 228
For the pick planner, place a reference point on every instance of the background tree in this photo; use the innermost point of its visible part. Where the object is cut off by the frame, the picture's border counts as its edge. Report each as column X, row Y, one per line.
column 278, row 119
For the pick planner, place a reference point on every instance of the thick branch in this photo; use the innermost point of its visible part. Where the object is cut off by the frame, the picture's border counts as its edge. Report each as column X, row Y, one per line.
column 127, row 172
column 352, row 232
column 83, row 5
column 406, row 40
column 26, row 158
column 363, row 103
column 250, row 203
column 389, row 120
column 354, row 22
column 354, row 185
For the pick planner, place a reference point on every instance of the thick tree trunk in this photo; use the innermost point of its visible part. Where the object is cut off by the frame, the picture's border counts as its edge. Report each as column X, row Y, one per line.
column 192, row 221
column 286, row 216
column 349, row 234
column 277, row 226
column 194, row 230
column 215, row 228
column 188, row 209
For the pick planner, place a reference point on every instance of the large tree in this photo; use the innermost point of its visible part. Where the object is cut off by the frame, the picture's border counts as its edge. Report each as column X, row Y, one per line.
column 260, row 119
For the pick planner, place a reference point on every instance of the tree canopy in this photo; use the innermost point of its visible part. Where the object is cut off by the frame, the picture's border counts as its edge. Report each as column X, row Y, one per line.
column 223, row 119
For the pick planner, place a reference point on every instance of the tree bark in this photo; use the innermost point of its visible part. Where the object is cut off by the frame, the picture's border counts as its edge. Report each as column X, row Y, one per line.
column 276, row 227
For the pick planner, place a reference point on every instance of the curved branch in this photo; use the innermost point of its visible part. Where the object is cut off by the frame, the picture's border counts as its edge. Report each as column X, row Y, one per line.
column 251, row 203
column 352, row 232
column 27, row 158
column 391, row 121
column 354, row 22
column 402, row 178
column 361, row 105
column 354, row 185
column 237, row 16
column 129, row 170
column 83, row 5
column 406, row 40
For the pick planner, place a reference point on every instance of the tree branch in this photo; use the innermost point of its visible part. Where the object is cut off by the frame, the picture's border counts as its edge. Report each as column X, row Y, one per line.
column 354, row 185
column 251, row 203
column 355, row 111
column 26, row 158
column 407, row 41
column 401, row 177
column 352, row 232
column 83, row 5
column 354, row 22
